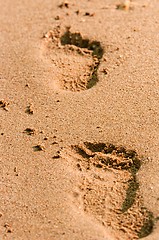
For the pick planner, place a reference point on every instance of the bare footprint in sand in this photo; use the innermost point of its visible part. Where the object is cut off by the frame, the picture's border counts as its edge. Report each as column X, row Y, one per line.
column 109, row 188
column 75, row 59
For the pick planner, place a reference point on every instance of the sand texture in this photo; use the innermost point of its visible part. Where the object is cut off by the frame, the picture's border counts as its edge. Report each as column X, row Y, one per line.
column 79, row 120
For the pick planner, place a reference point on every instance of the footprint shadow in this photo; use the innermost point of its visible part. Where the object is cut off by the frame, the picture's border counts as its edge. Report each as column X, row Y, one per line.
column 109, row 187
column 94, row 47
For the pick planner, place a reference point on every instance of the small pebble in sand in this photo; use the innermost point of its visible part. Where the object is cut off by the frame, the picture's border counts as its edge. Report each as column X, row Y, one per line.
column 64, row 4
column 105, row 71
column 8, row 228
column 124, row 6
column 39, row 147
column 79, row 166
column 29, row 131
column 16, row 171
column 46, row 138
column 29, row 109
column 89, row 14
column 77, row 12
column 4, row 104
column 57, row 18
column 56, row 156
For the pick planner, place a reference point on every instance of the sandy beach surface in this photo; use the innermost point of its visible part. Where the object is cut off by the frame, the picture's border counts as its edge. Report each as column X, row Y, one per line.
column 79, row 120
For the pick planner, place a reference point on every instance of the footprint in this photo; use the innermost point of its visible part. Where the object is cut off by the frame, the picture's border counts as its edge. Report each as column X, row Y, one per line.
column 109, row 188
column 75, row 59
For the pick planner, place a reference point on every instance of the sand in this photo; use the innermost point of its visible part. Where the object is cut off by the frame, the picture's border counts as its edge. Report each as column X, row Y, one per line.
column 79, row 116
